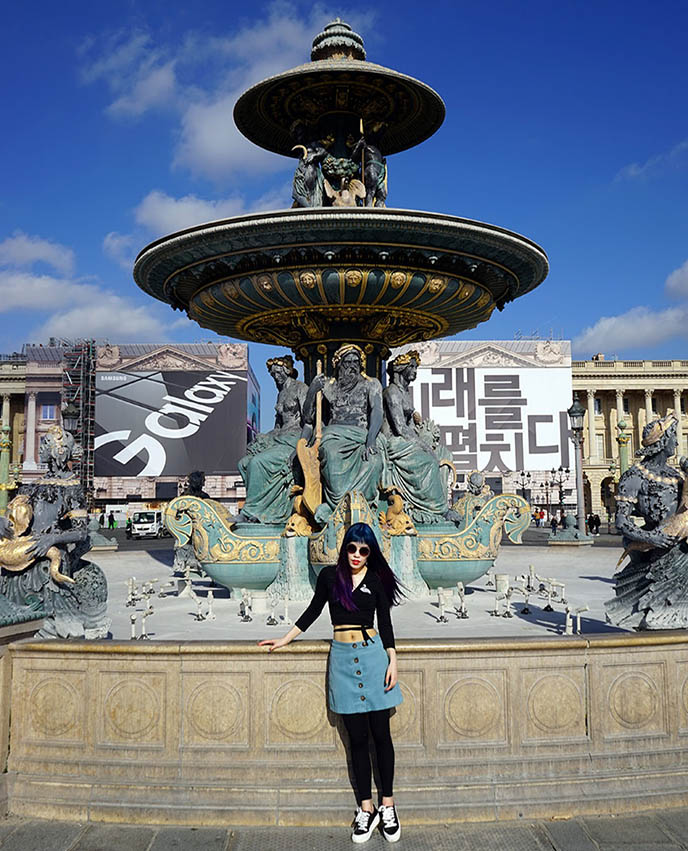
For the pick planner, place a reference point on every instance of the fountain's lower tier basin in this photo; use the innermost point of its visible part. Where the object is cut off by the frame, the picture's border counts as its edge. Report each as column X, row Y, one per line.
column 222, row 733
column 307, row 278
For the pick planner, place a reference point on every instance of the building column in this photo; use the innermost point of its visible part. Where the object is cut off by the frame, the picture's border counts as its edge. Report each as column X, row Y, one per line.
column 6, row 409
column 592, row 437
column 679, row 417
column 619, row 405
column 649, row 416
column 613, row 422
column 30, row 433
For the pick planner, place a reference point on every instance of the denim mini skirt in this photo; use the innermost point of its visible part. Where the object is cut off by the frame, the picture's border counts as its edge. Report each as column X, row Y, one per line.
column 356, row 678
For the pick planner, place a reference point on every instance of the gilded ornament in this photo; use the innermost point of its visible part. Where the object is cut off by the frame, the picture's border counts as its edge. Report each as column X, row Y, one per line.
column 265, row 283
column 308, row 280
column 397, row 280
column 353, row 277
column 231, row 290
column 208, row 525
column 483, row 300
column 436, row 285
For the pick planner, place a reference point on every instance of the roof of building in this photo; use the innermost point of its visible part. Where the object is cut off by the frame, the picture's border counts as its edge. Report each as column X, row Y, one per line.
column 53, row 354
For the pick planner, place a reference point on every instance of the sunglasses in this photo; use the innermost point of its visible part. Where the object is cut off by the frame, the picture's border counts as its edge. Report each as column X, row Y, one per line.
column 352, row 549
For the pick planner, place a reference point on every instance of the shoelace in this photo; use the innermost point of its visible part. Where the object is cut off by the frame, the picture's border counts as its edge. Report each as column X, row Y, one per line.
column 389, row 818
column 362, row 819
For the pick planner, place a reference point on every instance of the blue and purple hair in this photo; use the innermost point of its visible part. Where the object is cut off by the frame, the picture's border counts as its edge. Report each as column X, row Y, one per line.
column 361, row 533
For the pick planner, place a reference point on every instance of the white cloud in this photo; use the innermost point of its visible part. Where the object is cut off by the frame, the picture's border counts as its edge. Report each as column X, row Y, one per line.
column 674, row 158
column 154, row 88
column 202, row 78
column 79, row 308
column 638, row 328
column 676, row 284
column 160, row 213
column 139, row 75
column 20, row 249
column 121, row 248
column 109, row 315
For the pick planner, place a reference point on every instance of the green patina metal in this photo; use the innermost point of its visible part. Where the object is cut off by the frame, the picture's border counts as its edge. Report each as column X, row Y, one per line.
column 340, row 280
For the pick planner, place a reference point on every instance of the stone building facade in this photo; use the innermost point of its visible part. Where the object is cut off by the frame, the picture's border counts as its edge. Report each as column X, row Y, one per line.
column 634, row 391
column 31, row 401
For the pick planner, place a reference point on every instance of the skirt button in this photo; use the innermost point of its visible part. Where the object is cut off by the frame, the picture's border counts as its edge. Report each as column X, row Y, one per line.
column 356, row 660
column 354, row 645
column 360, row 685
column 358, row 673
column 362, row 697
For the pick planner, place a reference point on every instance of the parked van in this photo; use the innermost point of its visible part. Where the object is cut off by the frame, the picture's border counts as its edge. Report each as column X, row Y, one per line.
column 148, row 524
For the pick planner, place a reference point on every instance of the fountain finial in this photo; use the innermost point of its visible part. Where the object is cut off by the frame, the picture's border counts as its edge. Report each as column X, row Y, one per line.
column 338, row 41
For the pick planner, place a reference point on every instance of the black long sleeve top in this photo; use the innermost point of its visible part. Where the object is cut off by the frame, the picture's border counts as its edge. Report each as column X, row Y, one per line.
column 369, row 597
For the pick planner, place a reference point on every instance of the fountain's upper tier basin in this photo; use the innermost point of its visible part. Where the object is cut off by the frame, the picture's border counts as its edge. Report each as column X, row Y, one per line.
column 287, row 277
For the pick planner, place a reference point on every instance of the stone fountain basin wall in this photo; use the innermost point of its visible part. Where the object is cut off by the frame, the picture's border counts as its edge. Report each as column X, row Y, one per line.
column 221, row 733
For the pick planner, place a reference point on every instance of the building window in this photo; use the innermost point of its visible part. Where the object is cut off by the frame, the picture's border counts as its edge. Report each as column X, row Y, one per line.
column 654, row 405
column 626, row 405
column 598, row 406
column 48, row 412
column 600, row 446
column 683, row 405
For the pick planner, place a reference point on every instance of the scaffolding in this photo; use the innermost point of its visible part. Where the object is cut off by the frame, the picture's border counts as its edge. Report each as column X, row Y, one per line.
column 79, row 387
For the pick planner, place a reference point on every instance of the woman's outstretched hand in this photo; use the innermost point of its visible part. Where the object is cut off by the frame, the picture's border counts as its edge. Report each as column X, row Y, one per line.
column 273, row 643
column 276, row 643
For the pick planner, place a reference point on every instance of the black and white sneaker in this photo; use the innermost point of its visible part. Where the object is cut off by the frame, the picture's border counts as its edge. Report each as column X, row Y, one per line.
column 364, row 824
column 389, row 824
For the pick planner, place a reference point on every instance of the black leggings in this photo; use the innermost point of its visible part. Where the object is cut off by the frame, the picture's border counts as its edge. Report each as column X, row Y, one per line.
column 357, row 727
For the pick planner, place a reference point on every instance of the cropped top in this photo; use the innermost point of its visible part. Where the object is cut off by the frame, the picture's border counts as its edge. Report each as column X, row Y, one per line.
column 369, row 597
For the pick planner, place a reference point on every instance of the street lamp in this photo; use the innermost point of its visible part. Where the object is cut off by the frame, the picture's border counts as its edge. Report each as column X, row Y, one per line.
column 70, row 417
column 523, row 481
column 546, row 496
column 576, row 416
column 558, row 479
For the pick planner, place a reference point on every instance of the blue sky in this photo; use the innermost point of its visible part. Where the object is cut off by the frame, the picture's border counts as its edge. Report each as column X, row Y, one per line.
column 566, row 122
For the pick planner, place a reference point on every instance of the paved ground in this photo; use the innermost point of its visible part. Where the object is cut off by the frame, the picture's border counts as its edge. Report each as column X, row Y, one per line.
column 663, row 831
column 586, row 571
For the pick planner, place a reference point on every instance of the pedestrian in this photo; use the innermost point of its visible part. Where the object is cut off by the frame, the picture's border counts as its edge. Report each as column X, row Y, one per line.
column 591, row 523
column 598, row 523
column 553, row 524
column 128, row 527
column 102, row 520
column 362, row 667
column 111, row 520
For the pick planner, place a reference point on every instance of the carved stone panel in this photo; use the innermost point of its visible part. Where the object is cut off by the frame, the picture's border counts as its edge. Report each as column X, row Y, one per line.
column 634, row 700
column 216, row 710
column 474, row 708
column 296, row 712
column 682, row 687
column 56, row 704
column 408, row 722
column 555, row 702
column 132, row 709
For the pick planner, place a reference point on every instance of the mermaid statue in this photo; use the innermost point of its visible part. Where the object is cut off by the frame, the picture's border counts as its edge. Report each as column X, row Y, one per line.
column 652, row 589
column 416, row 463
column 268, row 468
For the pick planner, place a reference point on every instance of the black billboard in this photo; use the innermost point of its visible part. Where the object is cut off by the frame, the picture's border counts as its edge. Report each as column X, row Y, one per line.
column 169, row 423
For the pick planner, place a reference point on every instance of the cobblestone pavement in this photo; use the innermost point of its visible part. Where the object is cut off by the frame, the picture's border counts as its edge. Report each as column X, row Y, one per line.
column 658, row 831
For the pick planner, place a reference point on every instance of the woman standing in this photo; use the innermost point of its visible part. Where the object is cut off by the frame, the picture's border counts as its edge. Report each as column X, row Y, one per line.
column 362, row 666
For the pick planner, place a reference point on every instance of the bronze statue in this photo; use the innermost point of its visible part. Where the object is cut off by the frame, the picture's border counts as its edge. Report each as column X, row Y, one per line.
column 307, row 188
column 267, row 469
column 652, row 589
column 350, row 457
column 413, row 465
column 71, row 591
column 373, row 166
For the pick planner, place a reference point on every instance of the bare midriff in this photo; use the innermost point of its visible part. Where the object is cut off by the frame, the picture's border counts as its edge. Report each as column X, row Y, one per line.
column 350, row 633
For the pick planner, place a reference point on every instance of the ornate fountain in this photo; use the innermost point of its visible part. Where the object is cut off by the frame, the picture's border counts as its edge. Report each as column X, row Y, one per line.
column 340, row 279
